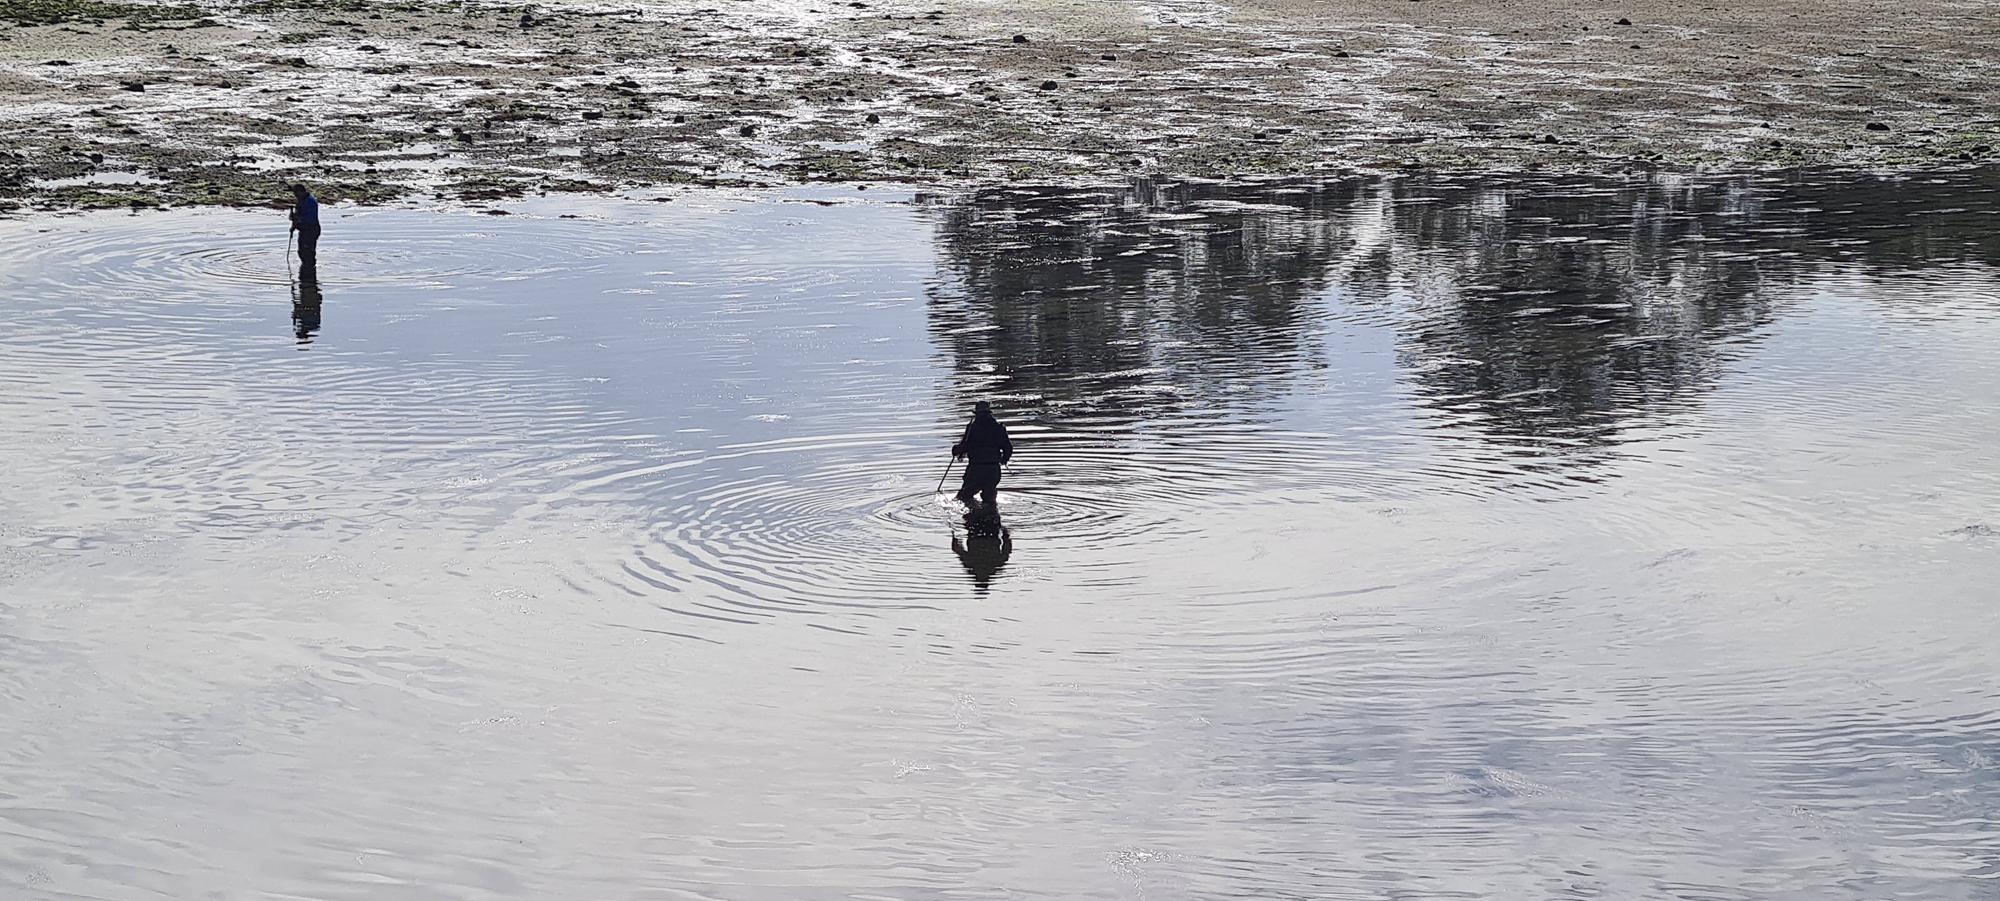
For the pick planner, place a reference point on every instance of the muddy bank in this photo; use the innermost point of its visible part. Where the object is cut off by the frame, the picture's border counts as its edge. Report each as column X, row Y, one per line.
column 114, row 104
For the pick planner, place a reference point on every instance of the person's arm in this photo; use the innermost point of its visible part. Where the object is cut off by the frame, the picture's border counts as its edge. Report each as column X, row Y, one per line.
column 294, row 216
column 1006, row 445
column 958, row 450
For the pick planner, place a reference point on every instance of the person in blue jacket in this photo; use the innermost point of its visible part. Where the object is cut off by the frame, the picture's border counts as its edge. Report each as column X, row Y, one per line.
column 305, row 221
column 985, row 447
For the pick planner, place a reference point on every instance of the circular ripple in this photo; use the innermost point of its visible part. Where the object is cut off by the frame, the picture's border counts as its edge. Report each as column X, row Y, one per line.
column 765, row 530
column 201, row 252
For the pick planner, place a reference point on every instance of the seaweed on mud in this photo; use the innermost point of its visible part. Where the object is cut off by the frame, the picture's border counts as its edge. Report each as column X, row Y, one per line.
column 56, row 12
column 317, row 8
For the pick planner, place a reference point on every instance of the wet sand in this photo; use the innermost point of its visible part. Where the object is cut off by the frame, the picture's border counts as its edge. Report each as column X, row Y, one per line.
column 109, row 104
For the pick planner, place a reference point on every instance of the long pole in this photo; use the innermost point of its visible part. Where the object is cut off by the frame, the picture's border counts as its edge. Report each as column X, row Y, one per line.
column 288, row 252
column 947, row 471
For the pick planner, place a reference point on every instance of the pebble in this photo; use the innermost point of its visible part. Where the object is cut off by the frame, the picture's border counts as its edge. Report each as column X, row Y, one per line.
column 1020, row 39
column 747, row 131
column 593, row 114
column 1049, row 85
column 1878, row 126
column 874, row 118
column 138, row 86
column 1624, row 21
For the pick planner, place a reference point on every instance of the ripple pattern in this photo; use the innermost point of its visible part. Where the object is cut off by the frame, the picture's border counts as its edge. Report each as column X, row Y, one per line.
column 1450, row 538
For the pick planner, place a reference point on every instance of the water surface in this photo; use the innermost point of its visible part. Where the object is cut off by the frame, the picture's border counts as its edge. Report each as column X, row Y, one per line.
column 1428, row 538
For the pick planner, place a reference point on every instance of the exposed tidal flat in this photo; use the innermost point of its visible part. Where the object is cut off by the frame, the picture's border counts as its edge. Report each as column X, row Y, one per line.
column 124, row 104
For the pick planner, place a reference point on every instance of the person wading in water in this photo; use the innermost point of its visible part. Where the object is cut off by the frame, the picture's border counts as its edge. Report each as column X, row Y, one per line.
column 305, row 221
column 985, row 447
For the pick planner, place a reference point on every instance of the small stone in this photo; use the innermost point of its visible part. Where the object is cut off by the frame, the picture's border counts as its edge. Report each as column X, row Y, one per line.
column 1624, row 21
column 1340, row 53
column 874, row 118
column 138, row 86
column 679, row 119
column 747, row 131
column 58, row 62
column 97, row 158
column 1109, row 57
column 593, row 115
column 1878, row 126
column 296, row 62
column 1020, row 39
column 1049, row 85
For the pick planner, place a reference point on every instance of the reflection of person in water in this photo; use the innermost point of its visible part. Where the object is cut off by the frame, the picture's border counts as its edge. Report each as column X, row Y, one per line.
column 984, row 549
column 985, row 446
column 305, row 221
column 306, row 302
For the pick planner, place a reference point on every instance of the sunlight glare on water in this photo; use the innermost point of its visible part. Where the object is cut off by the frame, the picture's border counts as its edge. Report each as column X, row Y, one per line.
column 1424, row 538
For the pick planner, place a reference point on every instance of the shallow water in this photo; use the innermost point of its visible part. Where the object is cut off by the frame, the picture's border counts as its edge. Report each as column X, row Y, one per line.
column 1422, row 539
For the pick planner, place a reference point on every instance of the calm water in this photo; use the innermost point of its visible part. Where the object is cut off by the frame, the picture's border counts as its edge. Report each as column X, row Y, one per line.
column 1411, row 540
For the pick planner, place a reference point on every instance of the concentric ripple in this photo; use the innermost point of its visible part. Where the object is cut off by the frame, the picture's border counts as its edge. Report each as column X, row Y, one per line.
column 368, row 249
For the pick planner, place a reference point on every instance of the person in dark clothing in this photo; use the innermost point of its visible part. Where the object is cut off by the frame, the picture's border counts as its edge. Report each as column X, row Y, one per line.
column 305, row 221
column 985, row 448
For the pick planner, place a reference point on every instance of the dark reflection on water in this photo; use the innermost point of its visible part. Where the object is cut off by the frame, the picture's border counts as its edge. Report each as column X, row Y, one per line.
column 983, row 549
column 307, row 302
column 1546, row 308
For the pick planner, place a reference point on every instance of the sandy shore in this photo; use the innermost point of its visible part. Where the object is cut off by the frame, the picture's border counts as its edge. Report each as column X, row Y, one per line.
column 110, row 103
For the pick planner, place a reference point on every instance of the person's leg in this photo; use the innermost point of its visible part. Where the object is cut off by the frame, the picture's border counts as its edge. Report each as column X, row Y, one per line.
column 989, row 487
column 968, row 487
column 309, row 247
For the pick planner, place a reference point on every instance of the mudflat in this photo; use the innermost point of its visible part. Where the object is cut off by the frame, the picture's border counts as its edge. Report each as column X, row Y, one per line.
column 106, row 103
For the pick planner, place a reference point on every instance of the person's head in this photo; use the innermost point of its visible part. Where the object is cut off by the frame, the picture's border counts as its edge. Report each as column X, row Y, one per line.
column 300, row 191
column 982, row 408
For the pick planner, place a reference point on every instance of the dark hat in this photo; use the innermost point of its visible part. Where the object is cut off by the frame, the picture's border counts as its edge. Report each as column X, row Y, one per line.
column 982, row 407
